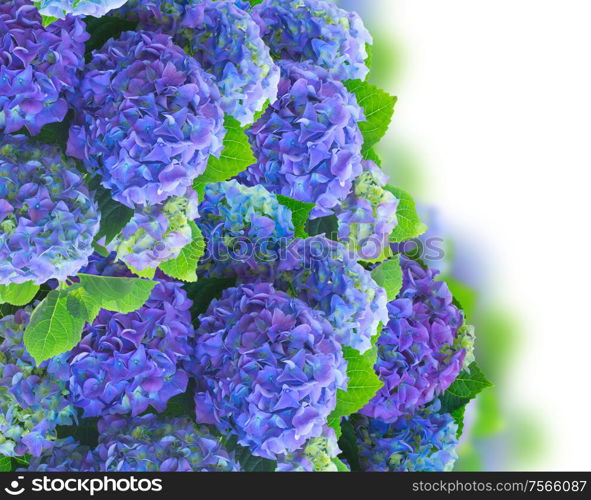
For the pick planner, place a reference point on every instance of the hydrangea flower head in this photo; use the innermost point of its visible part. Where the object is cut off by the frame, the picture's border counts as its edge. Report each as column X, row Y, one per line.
column 48, row 219
column 317, row 31
column 157, row 233
column 152, row 444
column 61, row 8
column 420, row 352
column 39, row 66
column 269, row 369
column 423, row 442
column 128, row 362
column 244, row 227
column 316, row 456
column 327, row 277
column 308, row 142
column 34, row 399
column 66, row 455
column 368, row 216
column 225, row 40
column 149, row 118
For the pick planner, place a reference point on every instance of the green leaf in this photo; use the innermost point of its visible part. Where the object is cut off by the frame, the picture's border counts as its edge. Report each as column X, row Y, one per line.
column 328, row 226
column 146, row 273
column 184, row 267
column 348, row 445
column 465, row 388
column 248, row 462
column 18, row 294
column 81, row 304
column 389, row 276
column 363, row 384
column 458, row 416
column 114, row 215
column 409, row 223
column 379, row 109
column 47, row 20
column 206, row 290
column 52, row 329
column 341, row 467
column 181, row 405
column 103, row 28
column 259, row 114
column 300, row 213
column 373, row 155
column 5, row 464
column 123, row 295
column 236, row 157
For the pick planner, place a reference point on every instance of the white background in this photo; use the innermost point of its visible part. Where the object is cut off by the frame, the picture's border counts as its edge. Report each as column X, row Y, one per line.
column 497, row 97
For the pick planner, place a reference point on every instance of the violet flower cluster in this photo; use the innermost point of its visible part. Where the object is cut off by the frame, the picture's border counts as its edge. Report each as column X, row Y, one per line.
column 225, row 40
column 126, row 363
column 157, row 233
column 368, row 216
column 33, row 400
column 269, row 369
column 148, row 118
column 423, row 442
column 244, row 227
column 420, row 352
column 61, row 8
column 48, row 219
column 40, row 67
column 308, row 142
column 316, row 31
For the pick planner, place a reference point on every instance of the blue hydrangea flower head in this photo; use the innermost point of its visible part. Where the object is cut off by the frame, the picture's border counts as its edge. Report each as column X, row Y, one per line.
column 423, row 442
column 368, row 216
column 327, row 277
column 48, row 218
column 157, row 233
column 126, row 363
column 245, row 227
column 152, row 444
column 61, row 8
column 421, row 350
column 268, row 368
column 317, row 31
column 225, row 40
column 34, row 399
column 308, row 142
column 40, row 67
column 148, row 119
column 66, row 455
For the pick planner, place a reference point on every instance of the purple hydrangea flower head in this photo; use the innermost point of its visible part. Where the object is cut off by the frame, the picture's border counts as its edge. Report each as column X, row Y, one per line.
column 317, row 31
column 61, row 8
column 148, row 119
column 315, row 456
column 152, row 444
column 268, row 368
column 423, row 442
column 245, row 227
column 39, row 66
column 225, row 40
column 128, row 362
column 368, row 216
column 34, row 399
column 327, row 277
column 421, row 350
column 157, row 233
column 308, row 142
column 66, row 455
column 48, row 219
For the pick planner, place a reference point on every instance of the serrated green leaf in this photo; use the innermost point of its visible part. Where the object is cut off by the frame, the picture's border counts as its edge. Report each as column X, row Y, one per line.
column 18, row 294
column 341, row 467
column 258, row 115
column 362, row 387
column 409, row 223
column 388, row 275
column 465, row 388
column 81, row 304
column 236, row 156
column 114, row 215
column 300, row 213
column 52, row 329
column 123, row 295
column 373, row 155
column 348, row 445
column 458, row 416
column 184, row 267
column 146, row 273
column 329, row 226
column 47, row 20
column 378, row 106
column 5, row 464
